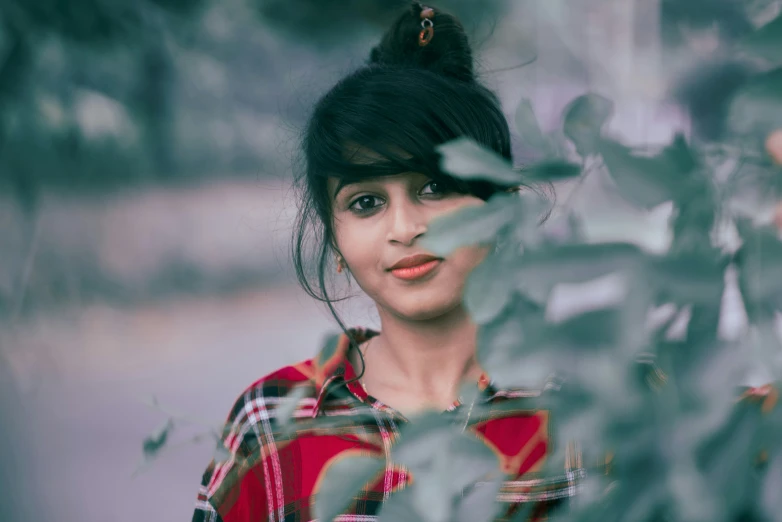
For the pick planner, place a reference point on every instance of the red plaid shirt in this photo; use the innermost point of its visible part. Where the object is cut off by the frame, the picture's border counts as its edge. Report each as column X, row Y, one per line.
column 264, row 479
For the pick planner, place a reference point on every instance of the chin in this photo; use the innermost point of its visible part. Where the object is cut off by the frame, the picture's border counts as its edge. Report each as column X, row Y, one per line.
column 418, row 308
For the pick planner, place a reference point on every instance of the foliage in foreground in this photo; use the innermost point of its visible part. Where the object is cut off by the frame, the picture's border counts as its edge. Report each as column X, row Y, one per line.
column 646, row 375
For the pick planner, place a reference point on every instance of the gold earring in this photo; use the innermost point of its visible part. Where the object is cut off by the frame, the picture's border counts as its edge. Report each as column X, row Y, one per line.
column 339, row 265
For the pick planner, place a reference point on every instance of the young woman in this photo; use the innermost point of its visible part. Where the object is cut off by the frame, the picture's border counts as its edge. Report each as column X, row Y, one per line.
column 372, row 185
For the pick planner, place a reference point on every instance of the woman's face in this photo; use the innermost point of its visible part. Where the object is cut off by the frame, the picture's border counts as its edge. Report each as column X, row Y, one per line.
column 378, row 225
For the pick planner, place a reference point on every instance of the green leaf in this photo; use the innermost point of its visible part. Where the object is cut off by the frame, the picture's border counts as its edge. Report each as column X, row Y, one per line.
column 689, row 278
column 345, row 477
column 760, row 268
column 590, row 330
column 472, row 461
column 421, row 450
column 766, row 42
column 420, row 439
column 443, row 461
column 539, row 271
column 726, row 458
column 487, row 291
column 502, row 343
column 329, row 348
column 286, row 409
column 479, row 502
column 157, row 441
column 473, row 225
column 529, row 129
column 757, row 108
column 768, row 349
column 466, row 159
column 400, row 506
column 772, row 485
column 584, row 120
column 549, row 171
column 221, row 453
column 431, row 493
column 650, row 181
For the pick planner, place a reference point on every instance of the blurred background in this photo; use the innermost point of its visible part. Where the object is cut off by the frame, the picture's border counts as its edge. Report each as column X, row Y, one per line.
column 147, row 149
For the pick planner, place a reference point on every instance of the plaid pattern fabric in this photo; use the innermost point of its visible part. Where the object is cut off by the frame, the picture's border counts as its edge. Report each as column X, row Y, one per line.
column 272, row 475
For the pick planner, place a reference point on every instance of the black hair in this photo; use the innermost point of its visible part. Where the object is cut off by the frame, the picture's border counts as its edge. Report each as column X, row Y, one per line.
column 387, row 118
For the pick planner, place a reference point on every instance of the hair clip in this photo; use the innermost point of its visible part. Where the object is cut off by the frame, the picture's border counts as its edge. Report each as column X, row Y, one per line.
column 427, row 26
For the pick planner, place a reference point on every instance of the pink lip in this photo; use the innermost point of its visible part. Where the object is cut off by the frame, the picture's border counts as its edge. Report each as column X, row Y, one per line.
column 416, row 272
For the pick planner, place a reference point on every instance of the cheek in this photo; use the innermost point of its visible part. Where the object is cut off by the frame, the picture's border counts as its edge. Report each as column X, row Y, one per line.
column 358, row 248
column 467, row 258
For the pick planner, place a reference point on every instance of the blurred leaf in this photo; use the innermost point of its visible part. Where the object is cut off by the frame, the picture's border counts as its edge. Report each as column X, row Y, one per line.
column 345, row 477
column 767, row 350
column 726, row 19
column 707, row 91
column 693, row 499
column 529, row 129
column 287, row 407
column 765, row 42
column 538, row 271
column 474, row 461
column 584, row 120
column 400, row 506
column 474, row 225
column 478, row 503
column 330, row 345
column 487, row 291
column 549, row 171
column 456, row 465
column 650, row 181
column 221, row 453
column 760, row 267
column 421, row 438
column 466, row 159
column 757, row 108
column 594, row 329
column 688, row 278
column 726, row 459
column 771, row 500
column 421, row 450
column 443, row 460
column 431, row 493
column 157, row 441
column 501, row 346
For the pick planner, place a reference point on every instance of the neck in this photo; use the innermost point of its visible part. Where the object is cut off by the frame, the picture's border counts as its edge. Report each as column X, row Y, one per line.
column 428, row 358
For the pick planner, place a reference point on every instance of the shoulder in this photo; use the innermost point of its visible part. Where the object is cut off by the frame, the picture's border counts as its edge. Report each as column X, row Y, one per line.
column 249, row 427
column 260, row 400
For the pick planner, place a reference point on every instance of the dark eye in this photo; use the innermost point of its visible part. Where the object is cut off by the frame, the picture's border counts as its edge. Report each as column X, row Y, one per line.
column 364, row 204
column 434, row 187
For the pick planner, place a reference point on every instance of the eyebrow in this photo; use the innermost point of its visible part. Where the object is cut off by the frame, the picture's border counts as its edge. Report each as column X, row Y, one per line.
column 342, row 184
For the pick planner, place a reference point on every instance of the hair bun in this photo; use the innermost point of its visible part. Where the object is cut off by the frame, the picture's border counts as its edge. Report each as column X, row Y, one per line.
column 447, row 53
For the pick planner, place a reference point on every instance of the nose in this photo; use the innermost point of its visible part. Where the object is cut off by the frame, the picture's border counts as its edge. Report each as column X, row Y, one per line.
column 407, row 222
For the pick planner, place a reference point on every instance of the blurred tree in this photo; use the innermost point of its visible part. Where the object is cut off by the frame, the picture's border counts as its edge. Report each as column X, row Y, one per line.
column 33, row 28
column 683, row 20
column 331, row 22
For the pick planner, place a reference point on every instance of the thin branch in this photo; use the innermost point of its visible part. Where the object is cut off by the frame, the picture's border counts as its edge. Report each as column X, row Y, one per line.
column 27, row 269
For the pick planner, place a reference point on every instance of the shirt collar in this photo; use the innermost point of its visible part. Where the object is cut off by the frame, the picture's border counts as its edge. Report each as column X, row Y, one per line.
column 332, row 364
